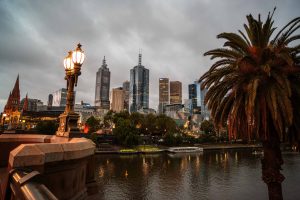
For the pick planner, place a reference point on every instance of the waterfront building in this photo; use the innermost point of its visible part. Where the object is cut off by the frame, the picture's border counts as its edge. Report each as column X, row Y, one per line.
column 117, row 99
column 163, row 94
column 126, row 86
column 102, row 86
column 29, row 119
column 175, row 92
column 32, row 104
column 60, row 97
column 139, row 87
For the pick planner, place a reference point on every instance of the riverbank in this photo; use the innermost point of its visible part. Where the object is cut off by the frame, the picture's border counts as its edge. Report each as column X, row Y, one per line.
column 110, row 149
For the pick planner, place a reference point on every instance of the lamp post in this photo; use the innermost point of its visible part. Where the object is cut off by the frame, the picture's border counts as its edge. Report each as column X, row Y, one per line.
column 68, row 119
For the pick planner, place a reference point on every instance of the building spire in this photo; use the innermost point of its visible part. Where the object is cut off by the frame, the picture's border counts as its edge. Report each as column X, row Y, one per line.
column 140, row 57
column 16, row 89
column 13, row 101
column 25, row 105
column 104, row 62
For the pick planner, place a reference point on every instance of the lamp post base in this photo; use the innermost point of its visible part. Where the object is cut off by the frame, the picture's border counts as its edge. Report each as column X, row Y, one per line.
column 68, row 124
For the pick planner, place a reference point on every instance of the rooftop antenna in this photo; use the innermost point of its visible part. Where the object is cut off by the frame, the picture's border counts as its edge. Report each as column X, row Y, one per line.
column 140, row 57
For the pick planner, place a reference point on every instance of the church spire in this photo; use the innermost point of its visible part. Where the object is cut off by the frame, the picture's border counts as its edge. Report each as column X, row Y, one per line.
column 16, row 90
column 13, row 101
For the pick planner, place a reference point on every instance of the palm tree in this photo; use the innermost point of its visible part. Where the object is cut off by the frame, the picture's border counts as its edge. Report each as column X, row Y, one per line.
column 254, row 88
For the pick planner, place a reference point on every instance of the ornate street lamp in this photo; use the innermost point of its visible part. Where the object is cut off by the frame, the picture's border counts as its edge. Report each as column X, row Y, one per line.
column 68, row 119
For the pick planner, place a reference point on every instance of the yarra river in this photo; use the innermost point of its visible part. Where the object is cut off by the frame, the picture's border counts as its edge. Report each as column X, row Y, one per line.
column 223, row 174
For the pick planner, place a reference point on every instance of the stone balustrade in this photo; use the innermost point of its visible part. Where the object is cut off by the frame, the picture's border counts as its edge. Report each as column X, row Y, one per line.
column 66, row 164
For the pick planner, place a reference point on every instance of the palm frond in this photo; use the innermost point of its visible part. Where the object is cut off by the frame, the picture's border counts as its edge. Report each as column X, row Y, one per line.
column 295, row 20
column 253, row 86
column 222, row 53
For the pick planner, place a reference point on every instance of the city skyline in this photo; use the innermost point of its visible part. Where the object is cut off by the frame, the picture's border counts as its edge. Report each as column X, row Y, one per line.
column 36, row 36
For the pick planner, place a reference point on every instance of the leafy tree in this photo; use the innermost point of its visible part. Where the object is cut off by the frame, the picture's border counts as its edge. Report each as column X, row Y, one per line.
column 108, row 119
column 131, row 140
column 123, row 114
column 125, row 133
column 148, row 124
column 47, row 127
column 94, row 138
column 165, row 124
column 254, row 87
column 93, row 124
column 207, row 127
column 136, row 119
column 129, row 127
column 171, row 139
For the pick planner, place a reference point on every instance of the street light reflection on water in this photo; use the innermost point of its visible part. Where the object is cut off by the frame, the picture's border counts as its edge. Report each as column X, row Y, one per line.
column 210, row 175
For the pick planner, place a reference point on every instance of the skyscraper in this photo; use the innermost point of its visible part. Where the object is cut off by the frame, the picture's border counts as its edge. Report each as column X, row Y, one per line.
column 50, row 100
column 175, row 92
column 117, row 99
column 102, row 86
column 60, row 97
column 139, row 87
column 163, row 94
column 204, row 110
column 126, row 86
column 194, row 96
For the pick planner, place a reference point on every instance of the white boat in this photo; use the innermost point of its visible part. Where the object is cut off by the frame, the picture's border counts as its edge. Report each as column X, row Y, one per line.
column 184, row 149
column 257, row 152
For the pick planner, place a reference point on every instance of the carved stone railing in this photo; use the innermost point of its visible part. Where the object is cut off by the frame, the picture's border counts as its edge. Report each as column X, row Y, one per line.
column 66, row 165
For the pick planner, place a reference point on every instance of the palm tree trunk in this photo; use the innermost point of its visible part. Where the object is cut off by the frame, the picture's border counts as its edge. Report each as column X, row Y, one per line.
column 271, row 166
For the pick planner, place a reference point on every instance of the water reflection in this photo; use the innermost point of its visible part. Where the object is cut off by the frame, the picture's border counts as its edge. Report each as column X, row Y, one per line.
column 210, row 175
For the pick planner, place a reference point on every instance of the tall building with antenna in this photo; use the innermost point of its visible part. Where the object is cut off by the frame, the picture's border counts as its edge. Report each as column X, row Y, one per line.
column 139, row 87
column 102, row 86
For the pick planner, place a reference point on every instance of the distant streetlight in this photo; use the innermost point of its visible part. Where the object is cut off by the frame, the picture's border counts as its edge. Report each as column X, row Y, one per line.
column 68, row 120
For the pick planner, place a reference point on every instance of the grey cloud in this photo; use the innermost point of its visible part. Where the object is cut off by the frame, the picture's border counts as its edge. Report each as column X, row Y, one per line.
column 174, row 34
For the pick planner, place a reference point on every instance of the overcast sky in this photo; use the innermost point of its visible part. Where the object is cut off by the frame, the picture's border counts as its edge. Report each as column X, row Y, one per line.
column 35, row 36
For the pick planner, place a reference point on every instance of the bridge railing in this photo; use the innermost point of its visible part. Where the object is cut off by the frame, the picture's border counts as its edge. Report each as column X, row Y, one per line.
column 26, row 185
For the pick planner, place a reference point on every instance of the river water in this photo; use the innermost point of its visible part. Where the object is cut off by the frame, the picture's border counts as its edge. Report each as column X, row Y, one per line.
column 223, row 174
